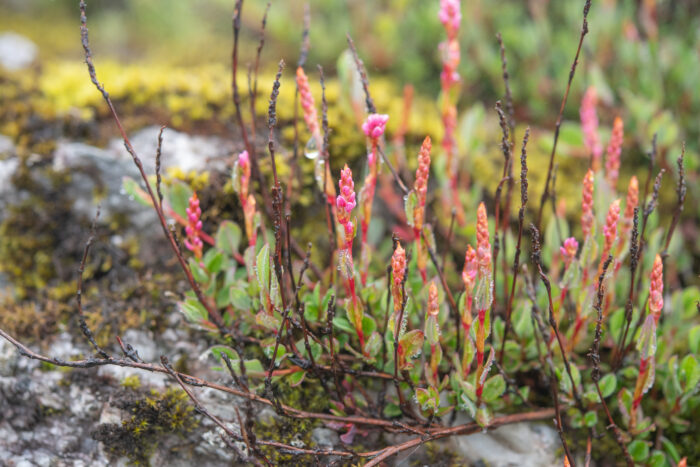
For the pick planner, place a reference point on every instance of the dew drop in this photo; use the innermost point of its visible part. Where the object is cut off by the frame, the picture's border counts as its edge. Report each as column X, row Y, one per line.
column 311, row 150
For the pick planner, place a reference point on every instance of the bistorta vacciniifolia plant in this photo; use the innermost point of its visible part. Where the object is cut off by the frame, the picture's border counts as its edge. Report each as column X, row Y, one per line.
column 584, row 335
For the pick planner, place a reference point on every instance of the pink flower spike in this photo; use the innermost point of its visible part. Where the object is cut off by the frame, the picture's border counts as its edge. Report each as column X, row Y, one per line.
column 374, row 125
column 589, row 126
column 345, row 202
column 610, row 228
column 568, row 250
column 470, row 268
column 587, row 218
column 307, row 103
column 612, row 163
column 450, row 16
column 398, row 270
column 193, row 242
column 656, row 288
column 483, row 244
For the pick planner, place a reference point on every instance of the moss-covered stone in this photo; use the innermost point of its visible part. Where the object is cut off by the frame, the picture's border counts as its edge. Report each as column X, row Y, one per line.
column 153, row 415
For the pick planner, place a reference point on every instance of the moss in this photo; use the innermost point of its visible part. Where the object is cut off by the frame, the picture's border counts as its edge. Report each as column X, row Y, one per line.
column 152, row 415
column 292, row 431
column 131, row 382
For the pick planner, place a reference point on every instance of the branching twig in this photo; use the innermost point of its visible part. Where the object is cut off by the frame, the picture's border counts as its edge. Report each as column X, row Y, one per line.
column 545, row 193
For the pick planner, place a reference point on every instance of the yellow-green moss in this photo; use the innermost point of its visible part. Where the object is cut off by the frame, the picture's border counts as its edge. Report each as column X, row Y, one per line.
column 153, row 414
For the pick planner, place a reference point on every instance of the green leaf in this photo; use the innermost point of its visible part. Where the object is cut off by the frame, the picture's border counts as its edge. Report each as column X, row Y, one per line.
column 484, row 416
column 608, row 384
column 268, row 322
column 373, row 346
column 409, row 206
column 296, row 378
column 134, row 190
column 671, row 450
column 392, row 410
column 412, row 343
column 213, row 261
column 590, row 419
column 689, row 374
column 468, row 405
column 228, row 237
column 193, row 310
column 694, row 339
column 639, row 450
column 239, row 298
column 179, row 195
column 343, row 324
column 199, row 274
column 658, row 459
column 262, row 267
column 493, row 388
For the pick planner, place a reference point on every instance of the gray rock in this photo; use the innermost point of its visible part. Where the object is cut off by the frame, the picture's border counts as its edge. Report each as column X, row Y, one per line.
column 181, row 150
column 520, row 444
column 16, row 52
column 325, row 438
column 8, row 358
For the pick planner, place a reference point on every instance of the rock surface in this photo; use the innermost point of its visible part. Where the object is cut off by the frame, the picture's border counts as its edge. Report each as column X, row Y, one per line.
column 16, row 52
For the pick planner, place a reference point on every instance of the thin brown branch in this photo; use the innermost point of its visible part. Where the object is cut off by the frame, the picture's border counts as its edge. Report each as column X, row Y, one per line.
column 572, row 72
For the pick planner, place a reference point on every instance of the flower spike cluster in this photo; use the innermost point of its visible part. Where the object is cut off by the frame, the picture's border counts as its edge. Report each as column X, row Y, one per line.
column 568, row 251
column 374, row 128
column 193, row 242
column 375, row 125
column 398, row 269
column 587, row 218
column 656, row 289
column 589, row 125
column 241, row 184
column 308, row 105
column 345, row 202
column 450, row 16
column 483, row 244
column 609, row 232
column 612, row 163
column 421, row 189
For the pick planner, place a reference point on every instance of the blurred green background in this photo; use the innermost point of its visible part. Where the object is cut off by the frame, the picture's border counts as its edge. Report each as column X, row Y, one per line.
column 643, row 56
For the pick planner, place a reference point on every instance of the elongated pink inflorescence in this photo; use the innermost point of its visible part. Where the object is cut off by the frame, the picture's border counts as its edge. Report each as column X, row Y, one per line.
column 374, row 125
column 612, row 163
column 589, row 125
column 345, row 202
column 433, row 303
column 587, row 218
column 243, row 168
column 568, row 250
column 308, row 104
column 450, row 16
column 609, row 231
column 421, row 184
column 656, row 288
column 193, row 242
column 483, row 243
column 631, row 203
column 470, row 269
column 398, row 269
